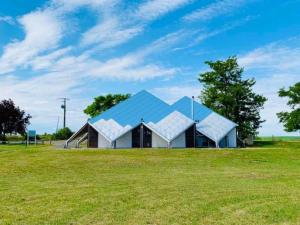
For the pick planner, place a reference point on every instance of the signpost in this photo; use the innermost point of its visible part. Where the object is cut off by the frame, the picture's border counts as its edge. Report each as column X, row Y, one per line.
column 31, row 134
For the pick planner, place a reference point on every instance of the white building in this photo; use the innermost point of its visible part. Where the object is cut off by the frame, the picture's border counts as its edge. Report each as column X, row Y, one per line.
column 145, row 121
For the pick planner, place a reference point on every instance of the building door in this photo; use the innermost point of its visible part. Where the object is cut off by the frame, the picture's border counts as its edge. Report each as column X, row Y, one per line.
column 190, row 137
column 137, row 138
column 147, row 139
column 92, row 137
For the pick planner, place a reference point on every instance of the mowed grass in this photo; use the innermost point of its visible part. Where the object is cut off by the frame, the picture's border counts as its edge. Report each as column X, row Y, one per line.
column 260, row 185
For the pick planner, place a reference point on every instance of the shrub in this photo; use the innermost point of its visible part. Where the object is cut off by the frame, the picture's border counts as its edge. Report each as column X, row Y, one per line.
column 63, row 134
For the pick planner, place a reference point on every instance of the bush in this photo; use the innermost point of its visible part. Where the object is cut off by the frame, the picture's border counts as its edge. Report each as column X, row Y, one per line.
column 46, row 137
column 63, row 134
column 15, row 138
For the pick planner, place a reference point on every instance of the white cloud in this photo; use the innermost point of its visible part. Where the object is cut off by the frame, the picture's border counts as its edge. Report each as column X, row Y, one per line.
column 171, row 94
column 39, row 97
column 274, row 66
column 67, row 5
column 7, row 19
column 151, row 10
column 132, row 66
column 214, row 10
column 274, row 56
column 43, row 31
column 110, row 33
column 269, row 87
column 47, row 60
column 117, row 27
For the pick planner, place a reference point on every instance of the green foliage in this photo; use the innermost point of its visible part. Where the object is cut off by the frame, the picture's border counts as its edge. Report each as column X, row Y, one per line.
column 63, row 134
column 46, row 137
column 15, row 138
column 291, row 120
column 13, row 120
column 102, row 103
column 228, row 94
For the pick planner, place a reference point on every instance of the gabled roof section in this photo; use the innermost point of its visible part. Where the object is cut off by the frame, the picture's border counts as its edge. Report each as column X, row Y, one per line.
column 215, row 127
column 172, row 125
column 142, row 105
column 211, row 124
column 184, row 105
column 156, row 114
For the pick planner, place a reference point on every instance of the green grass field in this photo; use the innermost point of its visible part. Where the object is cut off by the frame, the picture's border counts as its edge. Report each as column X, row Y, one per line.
column 260, row 185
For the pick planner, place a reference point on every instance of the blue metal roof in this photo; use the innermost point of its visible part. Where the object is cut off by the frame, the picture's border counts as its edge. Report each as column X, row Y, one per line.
column 184, row 105
column 142, row 105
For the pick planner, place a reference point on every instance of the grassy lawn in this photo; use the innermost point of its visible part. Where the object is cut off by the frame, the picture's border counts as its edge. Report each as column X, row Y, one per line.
column 260, row 185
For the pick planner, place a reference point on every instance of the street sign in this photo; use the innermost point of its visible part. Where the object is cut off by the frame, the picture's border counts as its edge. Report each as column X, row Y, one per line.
column 31, row 134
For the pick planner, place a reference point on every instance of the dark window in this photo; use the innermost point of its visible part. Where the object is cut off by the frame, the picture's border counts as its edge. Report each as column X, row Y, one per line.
column 136, row 137
column 189, row 137
column 147, row 139
column 203, row 141
column 92, row 137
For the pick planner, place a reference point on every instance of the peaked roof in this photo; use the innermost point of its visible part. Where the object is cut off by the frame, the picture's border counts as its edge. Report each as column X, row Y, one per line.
column 211, row 124
column 184, row 105
column 128, row 114
column 166, row 120
column 142, row 105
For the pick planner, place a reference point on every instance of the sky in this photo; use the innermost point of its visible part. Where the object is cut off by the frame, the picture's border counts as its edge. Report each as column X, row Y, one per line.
column 81, row 49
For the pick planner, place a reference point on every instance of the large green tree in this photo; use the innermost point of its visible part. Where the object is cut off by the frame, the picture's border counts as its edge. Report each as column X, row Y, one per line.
column 291, row 120
column 226, row 92
column 12, row 119
column 104, row 102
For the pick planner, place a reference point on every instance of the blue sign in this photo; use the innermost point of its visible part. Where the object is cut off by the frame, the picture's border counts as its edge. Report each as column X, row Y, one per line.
column 31, row 133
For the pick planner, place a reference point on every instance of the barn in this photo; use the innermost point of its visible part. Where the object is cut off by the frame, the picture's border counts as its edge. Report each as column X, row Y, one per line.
column 145, row 121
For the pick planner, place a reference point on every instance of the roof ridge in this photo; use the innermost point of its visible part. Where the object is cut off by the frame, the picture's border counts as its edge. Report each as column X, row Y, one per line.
column 208, row 109
column 132, row 98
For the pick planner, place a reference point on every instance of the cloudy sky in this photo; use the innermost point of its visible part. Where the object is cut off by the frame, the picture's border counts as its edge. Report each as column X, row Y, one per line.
column 83, row 48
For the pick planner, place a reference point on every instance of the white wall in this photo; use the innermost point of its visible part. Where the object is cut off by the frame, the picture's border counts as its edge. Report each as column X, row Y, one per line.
column 179, row 142
column 124, row 141
column 232, row 138
column 103, row 142
column 158, row 142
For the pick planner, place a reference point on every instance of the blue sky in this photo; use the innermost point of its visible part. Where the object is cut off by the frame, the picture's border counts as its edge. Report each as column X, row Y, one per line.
column 84, row 48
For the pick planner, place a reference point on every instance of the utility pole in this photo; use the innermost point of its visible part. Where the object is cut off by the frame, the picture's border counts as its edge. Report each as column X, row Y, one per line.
column 64, row 107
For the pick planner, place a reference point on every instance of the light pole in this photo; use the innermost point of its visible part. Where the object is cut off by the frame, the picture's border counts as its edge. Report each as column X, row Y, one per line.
column 64, row 107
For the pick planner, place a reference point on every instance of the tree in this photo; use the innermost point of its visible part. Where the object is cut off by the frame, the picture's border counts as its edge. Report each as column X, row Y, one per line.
column 291, row 120
column 63, row 134
column 104, row 102
column 12, row 119
column 231, row 96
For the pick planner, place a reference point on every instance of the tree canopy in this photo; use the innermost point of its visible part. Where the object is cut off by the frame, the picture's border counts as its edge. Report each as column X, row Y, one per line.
column 12, row 119
column 104, row 102
column 227, row 93
column 291, row 120
column 63, row 134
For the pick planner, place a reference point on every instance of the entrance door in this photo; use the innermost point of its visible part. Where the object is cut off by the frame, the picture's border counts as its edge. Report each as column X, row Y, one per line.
column 136, row 137
column 147, row 139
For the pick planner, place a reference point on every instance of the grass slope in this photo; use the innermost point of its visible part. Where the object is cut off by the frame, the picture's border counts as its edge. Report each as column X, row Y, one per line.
column 261, row 185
